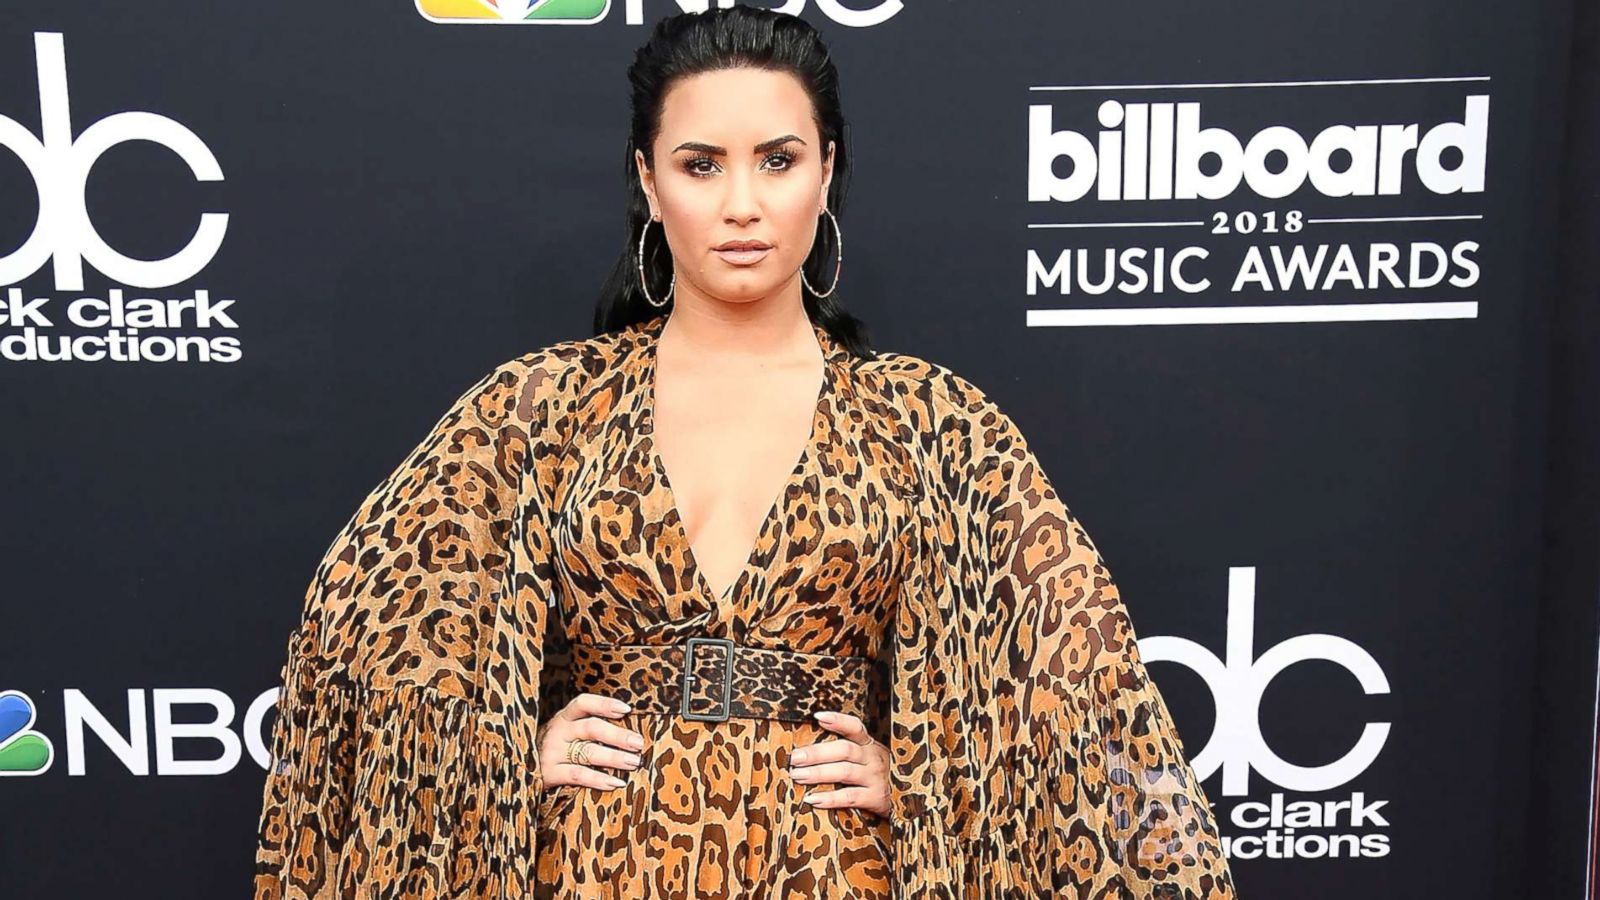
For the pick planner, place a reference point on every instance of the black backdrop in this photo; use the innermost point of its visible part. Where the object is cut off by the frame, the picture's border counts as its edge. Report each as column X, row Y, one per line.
column 1323, row 500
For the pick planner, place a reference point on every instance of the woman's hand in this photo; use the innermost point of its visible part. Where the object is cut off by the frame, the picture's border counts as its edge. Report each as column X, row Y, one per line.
column 857, row 760
column 581, row 720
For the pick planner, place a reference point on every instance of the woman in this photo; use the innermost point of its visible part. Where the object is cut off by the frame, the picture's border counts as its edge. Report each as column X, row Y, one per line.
column 853, row 646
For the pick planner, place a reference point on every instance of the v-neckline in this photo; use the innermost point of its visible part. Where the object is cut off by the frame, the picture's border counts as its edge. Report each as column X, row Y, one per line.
column 796, row 472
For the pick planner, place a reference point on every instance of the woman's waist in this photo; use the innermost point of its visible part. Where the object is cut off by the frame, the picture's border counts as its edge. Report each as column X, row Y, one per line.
column 715, row 679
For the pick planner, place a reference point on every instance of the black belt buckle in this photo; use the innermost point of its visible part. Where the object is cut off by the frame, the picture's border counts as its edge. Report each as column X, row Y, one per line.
column 727, row 679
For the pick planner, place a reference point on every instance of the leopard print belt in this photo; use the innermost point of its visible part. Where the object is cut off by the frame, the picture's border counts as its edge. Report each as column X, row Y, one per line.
column 714, row 679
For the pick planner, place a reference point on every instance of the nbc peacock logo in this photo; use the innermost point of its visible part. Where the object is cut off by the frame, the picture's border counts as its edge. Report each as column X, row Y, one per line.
column 22, row 751
column 532, row 12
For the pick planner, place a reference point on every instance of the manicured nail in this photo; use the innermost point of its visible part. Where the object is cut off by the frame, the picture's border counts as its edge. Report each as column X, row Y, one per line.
column 620, row 706
column 811, row 800
column 617, row 782
column 798, row 756
column 636, row 742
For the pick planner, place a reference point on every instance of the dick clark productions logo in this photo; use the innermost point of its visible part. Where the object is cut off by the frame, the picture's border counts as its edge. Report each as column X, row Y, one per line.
column 60, row 166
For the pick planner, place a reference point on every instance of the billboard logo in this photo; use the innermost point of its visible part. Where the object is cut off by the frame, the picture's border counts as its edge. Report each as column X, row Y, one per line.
column 23, row 751
column 1342, row 200
column 1154, row 151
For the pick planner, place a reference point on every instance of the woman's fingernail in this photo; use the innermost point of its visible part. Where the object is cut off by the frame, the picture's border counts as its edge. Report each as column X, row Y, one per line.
column 798, row 756
column 636, row 742
column 617, row 782
column 620, row 706
column 810, row 799
column 824, row 715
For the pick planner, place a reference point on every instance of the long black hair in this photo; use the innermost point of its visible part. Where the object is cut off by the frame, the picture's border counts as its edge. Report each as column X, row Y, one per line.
column 687, row 44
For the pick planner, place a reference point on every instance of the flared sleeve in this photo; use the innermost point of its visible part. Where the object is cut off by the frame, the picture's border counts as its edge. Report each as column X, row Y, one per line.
column 1033, row 755
column 403, row 762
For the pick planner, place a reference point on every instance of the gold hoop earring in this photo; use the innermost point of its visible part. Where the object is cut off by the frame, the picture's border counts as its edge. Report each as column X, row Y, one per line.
column 838, row 267
column 642, row 285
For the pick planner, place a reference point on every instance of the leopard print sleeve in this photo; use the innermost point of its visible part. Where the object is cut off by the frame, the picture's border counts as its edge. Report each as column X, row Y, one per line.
column 1065, row 774
column 403, row 762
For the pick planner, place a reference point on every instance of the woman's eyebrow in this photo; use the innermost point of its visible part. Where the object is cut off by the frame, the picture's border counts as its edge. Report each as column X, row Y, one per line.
column 722, row 151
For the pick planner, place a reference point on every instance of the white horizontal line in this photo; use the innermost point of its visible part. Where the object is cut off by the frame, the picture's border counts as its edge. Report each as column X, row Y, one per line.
column 1110, row 224
column 1246, row 84
column 1238, row 315
column 1308, row 221
column 1398, row 219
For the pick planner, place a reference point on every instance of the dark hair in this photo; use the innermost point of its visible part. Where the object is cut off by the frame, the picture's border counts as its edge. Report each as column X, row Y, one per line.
column 687, row 44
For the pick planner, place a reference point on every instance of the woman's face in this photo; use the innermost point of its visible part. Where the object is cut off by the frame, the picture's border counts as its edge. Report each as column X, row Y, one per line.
column 738, row 159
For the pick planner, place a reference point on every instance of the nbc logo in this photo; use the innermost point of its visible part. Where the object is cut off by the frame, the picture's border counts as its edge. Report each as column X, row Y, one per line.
column 553, row 11
column 589, row 12
column 22, row 751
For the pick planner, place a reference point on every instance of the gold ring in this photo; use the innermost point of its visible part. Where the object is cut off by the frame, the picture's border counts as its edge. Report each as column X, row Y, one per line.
column 578, row 751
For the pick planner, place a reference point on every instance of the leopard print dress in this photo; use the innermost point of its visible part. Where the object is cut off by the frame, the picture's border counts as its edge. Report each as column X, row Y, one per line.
column 713, row 811
column 1031, row 754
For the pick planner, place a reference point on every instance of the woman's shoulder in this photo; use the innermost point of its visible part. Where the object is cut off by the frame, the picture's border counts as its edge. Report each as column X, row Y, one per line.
column 591, row 354
column 542, row 383
column 946, row 390
column 563, row 362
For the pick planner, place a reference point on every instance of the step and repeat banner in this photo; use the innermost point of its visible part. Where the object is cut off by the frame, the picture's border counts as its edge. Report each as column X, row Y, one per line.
column 1265, row 283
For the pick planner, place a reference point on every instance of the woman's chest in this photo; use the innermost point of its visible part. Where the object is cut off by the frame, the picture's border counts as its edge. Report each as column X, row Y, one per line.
column 823, row 566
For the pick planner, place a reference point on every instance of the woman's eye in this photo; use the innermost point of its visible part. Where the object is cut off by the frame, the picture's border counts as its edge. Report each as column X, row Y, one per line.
column 693, row 166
